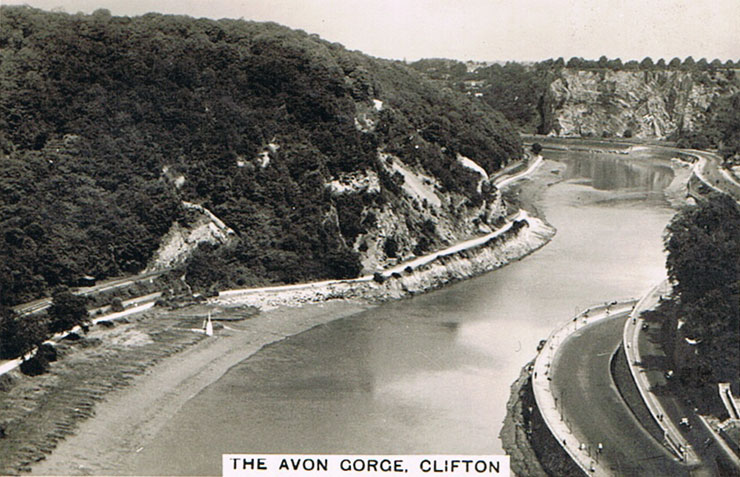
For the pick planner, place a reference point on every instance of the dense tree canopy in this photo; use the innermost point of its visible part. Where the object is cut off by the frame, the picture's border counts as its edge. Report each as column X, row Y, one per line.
column 703, row 245
column 108, row 123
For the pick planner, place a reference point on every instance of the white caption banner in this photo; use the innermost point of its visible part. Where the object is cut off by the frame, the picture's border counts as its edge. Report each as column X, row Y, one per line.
column 303, row 465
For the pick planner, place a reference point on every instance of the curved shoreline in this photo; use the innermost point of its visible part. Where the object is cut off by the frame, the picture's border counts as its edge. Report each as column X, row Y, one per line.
column 139, row 410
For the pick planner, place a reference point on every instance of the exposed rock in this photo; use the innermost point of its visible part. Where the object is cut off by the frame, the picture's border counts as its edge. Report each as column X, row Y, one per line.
column 182, row 240
column 634, row 103
column 354, row 183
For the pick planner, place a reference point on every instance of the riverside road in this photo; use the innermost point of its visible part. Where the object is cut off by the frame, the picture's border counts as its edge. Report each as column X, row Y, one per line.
column 594, row 409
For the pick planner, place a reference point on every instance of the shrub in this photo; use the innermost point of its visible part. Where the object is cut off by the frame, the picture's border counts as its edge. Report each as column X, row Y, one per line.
column 67, row 311
column 390, row 247
column 116, row 304
column 19, row 335
column 35, row 366
column 47, row 352
column 378, row 277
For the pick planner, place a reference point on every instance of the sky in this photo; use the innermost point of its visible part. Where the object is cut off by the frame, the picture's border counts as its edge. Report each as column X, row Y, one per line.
column 483, row 30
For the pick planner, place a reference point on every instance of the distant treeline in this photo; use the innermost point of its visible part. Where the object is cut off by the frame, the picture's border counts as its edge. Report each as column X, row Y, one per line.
column 108, row 123
column 646, row 63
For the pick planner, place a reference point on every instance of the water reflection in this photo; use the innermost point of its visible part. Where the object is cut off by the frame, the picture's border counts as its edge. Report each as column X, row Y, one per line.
column 616, row 171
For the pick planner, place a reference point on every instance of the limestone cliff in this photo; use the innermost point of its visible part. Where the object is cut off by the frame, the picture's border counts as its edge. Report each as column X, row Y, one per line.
column 643, row 104
column 182, row 239
column 421, row 217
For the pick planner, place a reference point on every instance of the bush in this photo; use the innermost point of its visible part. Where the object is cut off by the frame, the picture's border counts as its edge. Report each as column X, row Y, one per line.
column 390, row 247
column 35, row 366
column 116, row 305
column 67, row 311
column 19, row 335
column 47, row 352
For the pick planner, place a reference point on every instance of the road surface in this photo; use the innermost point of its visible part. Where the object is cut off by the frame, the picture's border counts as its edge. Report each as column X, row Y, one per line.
column 594, row 409
column 41, row 304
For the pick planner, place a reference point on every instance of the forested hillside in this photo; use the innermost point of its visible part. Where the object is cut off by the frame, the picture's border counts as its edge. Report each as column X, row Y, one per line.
column 108, row 123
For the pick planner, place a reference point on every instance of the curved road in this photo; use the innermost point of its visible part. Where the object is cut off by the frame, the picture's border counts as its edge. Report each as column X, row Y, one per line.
column 708, row 170
column 594, row 409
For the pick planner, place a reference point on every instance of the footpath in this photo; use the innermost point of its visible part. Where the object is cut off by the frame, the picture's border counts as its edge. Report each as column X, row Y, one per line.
column 646, row 381
column 671, row 435
column 543, row 393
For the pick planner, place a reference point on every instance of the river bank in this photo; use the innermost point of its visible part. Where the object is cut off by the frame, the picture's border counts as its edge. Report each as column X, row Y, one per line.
column 125, row 421
column 133, row 376
column 138, row 424
column 516, row 240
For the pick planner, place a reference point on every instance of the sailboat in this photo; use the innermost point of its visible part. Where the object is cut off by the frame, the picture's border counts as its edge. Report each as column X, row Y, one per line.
column 208, row 326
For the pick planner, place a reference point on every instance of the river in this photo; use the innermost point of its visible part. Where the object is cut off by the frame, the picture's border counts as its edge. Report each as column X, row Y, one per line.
column 431, row 374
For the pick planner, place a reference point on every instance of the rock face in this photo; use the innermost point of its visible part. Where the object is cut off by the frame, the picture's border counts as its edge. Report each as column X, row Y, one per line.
column 422, row 217
column 643, row 104
column 182, row 239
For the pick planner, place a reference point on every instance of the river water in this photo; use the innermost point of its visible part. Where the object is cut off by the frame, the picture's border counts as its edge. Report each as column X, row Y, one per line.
column 431, row 374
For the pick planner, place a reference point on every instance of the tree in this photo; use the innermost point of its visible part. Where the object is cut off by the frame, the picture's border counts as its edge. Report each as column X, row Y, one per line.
column 390, row 247
column 19, row 335
column 675, row 63
column 536, row 148
column 689, row 63
column 632, row 65
column 703, row 245
column 703, row 263
column 647, row 63
column 67, row 311
column 615, row 64
column 660, row 63
column 575, row 62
